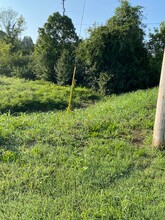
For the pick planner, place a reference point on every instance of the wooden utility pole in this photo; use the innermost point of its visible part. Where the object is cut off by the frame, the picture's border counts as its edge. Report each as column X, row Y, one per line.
column 63, row 7
column 159, row 127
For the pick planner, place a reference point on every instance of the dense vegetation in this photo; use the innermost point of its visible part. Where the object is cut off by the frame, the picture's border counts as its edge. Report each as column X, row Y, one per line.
column 94, row 163
column 115, row 58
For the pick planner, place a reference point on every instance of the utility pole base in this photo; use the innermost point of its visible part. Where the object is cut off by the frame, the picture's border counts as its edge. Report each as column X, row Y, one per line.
column 159, row 126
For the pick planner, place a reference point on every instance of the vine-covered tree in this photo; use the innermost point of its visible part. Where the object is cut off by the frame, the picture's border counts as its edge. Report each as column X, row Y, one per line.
column 116, row 52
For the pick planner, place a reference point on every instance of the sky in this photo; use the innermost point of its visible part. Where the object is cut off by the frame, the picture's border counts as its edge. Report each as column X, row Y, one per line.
column 36, row 12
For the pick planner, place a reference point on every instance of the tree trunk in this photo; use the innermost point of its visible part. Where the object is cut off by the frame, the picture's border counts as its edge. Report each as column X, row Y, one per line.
column 159, row 127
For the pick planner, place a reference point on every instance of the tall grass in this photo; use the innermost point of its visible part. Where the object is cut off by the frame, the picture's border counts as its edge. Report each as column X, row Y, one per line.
column 94, row 163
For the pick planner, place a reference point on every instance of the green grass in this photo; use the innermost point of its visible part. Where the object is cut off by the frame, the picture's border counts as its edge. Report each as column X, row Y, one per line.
column 94, row 163
column 18, row 95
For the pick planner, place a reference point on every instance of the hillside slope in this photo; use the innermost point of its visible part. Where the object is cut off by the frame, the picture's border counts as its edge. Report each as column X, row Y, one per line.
column 95, row 163
column 19, row 95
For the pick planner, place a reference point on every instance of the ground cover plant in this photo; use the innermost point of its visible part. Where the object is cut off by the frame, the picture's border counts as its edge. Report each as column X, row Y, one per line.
column 19, row 95
column 94, row 163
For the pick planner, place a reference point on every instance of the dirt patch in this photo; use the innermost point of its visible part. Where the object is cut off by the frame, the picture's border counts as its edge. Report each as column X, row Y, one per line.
column 138, row 137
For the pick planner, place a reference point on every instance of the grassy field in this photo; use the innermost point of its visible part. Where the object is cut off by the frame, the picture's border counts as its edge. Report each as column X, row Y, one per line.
column 94, row 163
column 28, row 96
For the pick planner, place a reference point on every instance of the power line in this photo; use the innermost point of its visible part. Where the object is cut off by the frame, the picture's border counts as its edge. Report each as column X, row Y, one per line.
column 152, row 23
column 74, row 71
column 82, row 17
column 101, row 23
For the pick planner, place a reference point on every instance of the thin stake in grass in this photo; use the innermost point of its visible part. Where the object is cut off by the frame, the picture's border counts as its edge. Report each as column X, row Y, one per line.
column 71, row 90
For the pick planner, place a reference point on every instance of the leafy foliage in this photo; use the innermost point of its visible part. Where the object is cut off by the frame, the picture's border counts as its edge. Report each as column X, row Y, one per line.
column 114, row 59
column 64, row 68
column 57, row 34
column 2, row 35
column 5, row 58
column 16, row 63
column 11, row 25
column 15, row 54
column 155, row 46
column 118, row 50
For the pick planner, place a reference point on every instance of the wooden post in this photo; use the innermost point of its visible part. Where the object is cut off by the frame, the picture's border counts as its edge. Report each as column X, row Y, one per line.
column 63, row 7
column 71, row 90
column 159, row 126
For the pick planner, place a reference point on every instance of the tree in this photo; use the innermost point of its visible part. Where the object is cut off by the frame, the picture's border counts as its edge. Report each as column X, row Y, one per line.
column 11, row 24
column 2, row 35
column 27, row 44
column 14, row 63
column 117, row 50
column 64, row 68
column 57, row 34
column 15, row 54
column 155, row 46
column 93, row 54
column 5, row 58
column 156, row 41
column 129, row 60
column 22, row 59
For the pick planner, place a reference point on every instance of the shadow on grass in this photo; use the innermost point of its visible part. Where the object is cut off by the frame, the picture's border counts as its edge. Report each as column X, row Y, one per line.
column 36, row 106
column 49, row 105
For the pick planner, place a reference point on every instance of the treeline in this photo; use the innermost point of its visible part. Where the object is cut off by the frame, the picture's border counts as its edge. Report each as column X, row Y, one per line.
column 116, row 57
